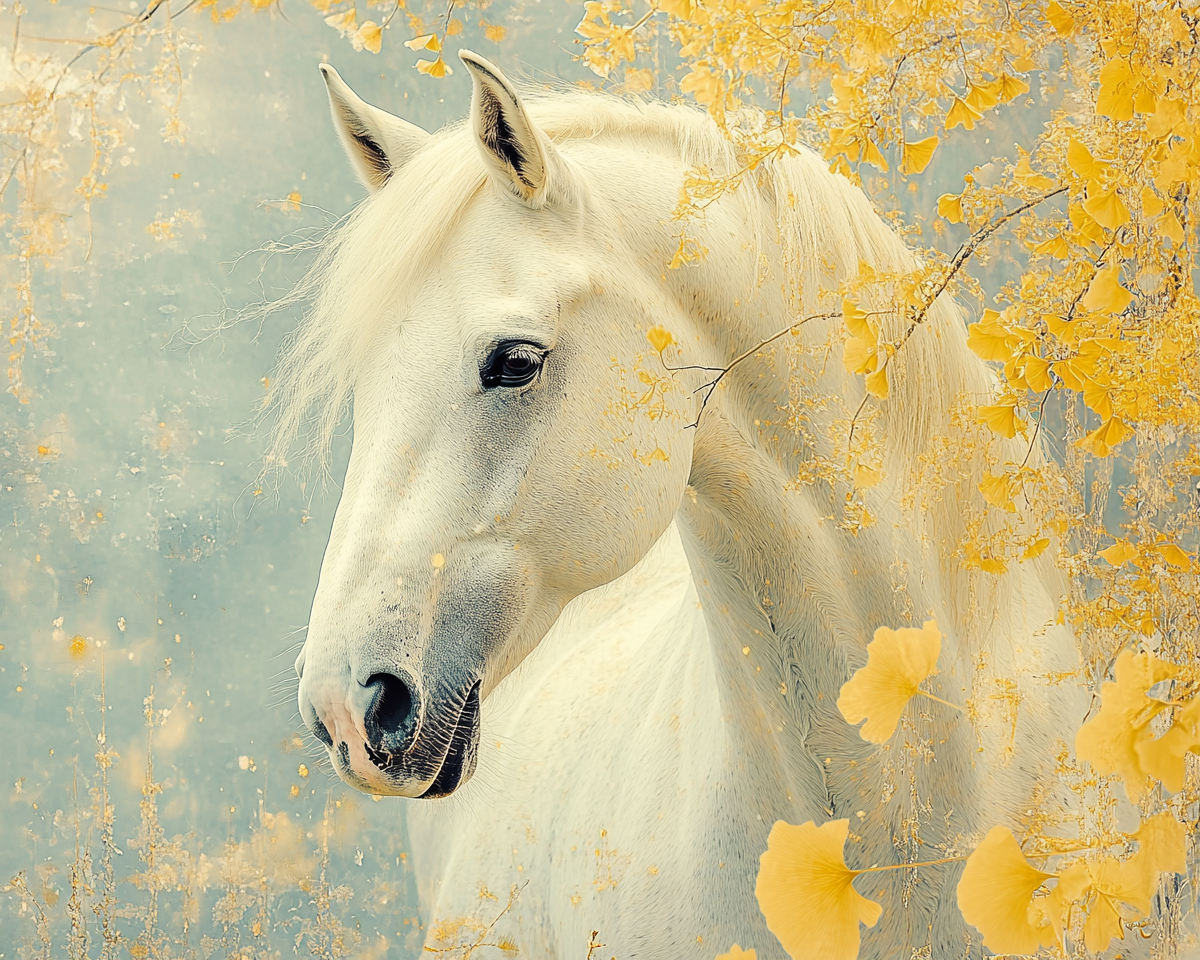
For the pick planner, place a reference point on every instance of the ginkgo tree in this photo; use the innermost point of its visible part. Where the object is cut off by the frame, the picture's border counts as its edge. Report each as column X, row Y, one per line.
column 1095, row 332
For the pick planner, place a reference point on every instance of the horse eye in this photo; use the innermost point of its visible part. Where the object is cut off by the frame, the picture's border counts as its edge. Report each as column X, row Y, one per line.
column 512, row 364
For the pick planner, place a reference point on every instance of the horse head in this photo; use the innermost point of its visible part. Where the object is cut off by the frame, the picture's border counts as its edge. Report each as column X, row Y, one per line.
column 510, row 449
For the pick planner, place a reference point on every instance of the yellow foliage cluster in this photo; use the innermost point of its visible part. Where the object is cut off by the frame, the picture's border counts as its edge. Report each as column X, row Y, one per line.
column 1097, row 396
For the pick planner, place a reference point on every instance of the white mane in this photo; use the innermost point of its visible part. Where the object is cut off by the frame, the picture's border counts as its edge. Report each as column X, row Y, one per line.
column 357, row 287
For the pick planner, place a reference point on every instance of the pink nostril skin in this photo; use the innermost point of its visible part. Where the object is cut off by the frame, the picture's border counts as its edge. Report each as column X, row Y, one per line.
column 340, row 719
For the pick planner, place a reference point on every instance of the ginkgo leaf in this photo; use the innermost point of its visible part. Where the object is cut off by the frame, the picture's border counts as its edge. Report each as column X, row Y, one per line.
column 1054, row 247
column 1002, row 419
column 1169, row 226
column 803, row 877
column 1107, row 209
column 860, row 354
column 1027, row 177
column 1010, row 87
column 898, row 662
column 428, row 41
column 1110, row 434
column 1115, row 99
column 1081, row 161
column 962, row 113
column 1111, row 888
column 683, row 10
column 659, row 337
column 1108, row 741
column 1105, row 293
column 1174, row 555
column 949, row 206
column 995, row 893
column 856, row 320
column 872, row 155
column 1037, row 374
column 1035, row 549
column 737, row 953
column 1119, row 553
column 369, row 36
column 998, row 491
column 877, row 383
column 1169, row 118
column 435, row 68
column 916, row 155
column 982, row 96
column 1062, row 22
column 990, row 340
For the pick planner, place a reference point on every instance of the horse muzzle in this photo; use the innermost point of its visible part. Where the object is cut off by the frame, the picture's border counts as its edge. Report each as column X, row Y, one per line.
column 385, row 737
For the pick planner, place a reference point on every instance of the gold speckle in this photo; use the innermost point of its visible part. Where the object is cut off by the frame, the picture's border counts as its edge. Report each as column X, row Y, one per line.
column 302, row 770
column 295, row 791
column 745, row 651
column 652, row 870
column 438, row 561
column 78, row 646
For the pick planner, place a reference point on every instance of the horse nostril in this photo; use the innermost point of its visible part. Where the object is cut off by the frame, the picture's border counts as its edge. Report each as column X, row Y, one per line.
column 391, row 707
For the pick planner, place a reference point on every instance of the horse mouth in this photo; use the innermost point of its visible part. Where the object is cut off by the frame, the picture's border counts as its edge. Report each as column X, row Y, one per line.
column 461, row 755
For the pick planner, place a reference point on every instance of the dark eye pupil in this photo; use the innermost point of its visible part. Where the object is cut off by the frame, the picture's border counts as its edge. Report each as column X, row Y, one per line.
column 512, row 365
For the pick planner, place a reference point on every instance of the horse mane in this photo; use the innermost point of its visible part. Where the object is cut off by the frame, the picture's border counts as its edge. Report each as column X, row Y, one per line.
column 824, row 227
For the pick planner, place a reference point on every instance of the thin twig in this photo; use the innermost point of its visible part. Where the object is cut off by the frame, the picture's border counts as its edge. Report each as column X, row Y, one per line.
column 712, row 384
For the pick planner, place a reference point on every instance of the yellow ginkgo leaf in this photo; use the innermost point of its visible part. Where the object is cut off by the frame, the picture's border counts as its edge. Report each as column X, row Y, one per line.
column 866, row 477
column 1174, row 555
column 990, row 340
column 1108, row 741
column 1119, row 553
column 1037, row 374
column 435, row 68
column 1105, row 293
column 962, row 113
column 1035, row 549
column 1115, row 98
column 737, row 953
column 1010, row 87
column 1002, row 419
column 1169, row 226
column 1111, row 889
column 949, row 206
column 1027, row 177
column 860, row 354
column 428, row 41
column 1062, row 22
column 856, row 320
column 995, row 894
column 1107, row 209
column 877, row 383
column 871, row 154
column 683, row 10
column 998, row 491
column 916, row 155
column 369, row 37
column 802, row 878
column 659, row 338
column 1054, row 247
column 1109, row 435
column 898, row 662
column 981, row 96
column 1081, row 161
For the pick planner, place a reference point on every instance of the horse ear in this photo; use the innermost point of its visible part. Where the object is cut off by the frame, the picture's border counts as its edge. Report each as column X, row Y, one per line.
column 516, row 152
column 377, row 143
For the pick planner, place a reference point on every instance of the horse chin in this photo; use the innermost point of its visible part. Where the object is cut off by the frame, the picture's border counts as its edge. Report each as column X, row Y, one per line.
column 463, row 752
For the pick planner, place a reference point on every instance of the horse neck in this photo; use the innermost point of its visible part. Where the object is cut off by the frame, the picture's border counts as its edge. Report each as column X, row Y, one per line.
column 787, row 592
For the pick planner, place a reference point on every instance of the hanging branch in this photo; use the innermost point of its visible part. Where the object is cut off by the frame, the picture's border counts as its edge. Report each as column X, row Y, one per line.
column 919, row 315
column 720, row 372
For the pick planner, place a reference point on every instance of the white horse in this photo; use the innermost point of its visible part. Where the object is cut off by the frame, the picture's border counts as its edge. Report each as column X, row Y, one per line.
column 612, row 604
